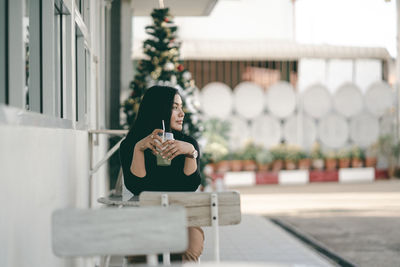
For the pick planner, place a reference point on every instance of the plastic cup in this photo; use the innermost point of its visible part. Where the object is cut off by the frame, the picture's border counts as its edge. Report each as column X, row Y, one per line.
column 160, row 160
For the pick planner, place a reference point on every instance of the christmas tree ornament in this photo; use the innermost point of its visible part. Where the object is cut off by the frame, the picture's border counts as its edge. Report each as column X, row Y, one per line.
column 169, row 66
column 187, row 75
column 173, row 80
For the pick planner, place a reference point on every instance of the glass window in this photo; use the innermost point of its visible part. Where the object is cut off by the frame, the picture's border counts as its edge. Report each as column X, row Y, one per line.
column 3, row 52
column 25, row 25
column 58, row 60
column 33, row 55
column 81, row 76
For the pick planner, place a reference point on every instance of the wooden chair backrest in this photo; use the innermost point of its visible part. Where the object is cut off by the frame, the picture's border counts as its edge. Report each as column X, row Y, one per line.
column 110, row 231
column 198, row 205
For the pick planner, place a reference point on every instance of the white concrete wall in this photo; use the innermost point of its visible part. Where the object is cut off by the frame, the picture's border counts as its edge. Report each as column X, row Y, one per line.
column 42, row 170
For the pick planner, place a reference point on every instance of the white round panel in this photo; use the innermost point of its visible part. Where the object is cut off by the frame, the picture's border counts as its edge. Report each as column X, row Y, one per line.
column 333, row 130
column 348, row 100
column 266, row 130
column 387, row 125
column 317, row 101
column 302, row 134
column 248, row 99
column 364, row 130
column 239, row 132
column 217, row 100
column 281, row 99
column 379, row 98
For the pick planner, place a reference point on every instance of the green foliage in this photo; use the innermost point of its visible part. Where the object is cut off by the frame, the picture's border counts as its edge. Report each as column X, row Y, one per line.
column 216, row 135
column 250, row 151
column 293, row 153
column 388, row 146
column 215, row 127
column 316, row 152
column 278, row 152
column 264, row 156
column 344, row 154
column 357, row 153
column 303, row 155
column 331, row 154
column 236, row 155
column 372, row 151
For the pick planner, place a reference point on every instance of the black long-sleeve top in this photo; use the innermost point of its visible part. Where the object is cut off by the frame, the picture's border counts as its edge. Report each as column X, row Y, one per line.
column 159, row 178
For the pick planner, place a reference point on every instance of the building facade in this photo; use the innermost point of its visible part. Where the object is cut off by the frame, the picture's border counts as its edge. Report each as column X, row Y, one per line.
column 53, row 90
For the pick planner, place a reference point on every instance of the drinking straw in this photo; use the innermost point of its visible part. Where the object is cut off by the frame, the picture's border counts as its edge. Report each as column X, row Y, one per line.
column 163, row 127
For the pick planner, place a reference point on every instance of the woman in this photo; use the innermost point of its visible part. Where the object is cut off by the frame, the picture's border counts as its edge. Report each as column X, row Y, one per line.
column 138, row 154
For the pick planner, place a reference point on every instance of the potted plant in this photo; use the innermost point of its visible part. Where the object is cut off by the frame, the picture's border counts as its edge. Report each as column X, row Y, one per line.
column 215, row 136
column 317, row 157
column 292, row 157
column 236, row 161
column 278, row 155
column 344, row 157
column 304, row 160
column 357, row 157
column 223, row 164
column 330, row 160
column 396, row 155
column 385, row 150
column 370, row 155
column 249, row 157
column 263, row 159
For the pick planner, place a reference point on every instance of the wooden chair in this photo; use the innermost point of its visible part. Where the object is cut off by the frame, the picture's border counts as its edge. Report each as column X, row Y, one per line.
column 203, row 209
column 130, row 231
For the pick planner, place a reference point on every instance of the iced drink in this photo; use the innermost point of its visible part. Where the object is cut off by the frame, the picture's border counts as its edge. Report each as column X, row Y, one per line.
column 160, row 160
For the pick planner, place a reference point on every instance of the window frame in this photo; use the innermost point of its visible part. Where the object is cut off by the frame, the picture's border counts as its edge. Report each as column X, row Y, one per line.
column 3, row 52
column 54, row 105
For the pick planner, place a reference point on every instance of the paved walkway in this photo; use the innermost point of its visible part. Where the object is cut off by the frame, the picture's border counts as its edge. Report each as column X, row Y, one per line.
column 259, row 240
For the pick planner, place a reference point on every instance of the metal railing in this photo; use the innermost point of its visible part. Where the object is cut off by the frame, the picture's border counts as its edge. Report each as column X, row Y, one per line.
column 92, row 142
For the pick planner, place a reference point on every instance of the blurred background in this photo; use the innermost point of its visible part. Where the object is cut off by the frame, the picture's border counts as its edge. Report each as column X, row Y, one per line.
column 279, row 93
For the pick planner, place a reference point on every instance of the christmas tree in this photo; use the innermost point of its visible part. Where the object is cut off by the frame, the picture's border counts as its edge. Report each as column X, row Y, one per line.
column 162, row 66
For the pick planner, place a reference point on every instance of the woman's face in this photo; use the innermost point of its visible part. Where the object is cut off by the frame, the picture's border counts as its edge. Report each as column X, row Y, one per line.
column 177, row 114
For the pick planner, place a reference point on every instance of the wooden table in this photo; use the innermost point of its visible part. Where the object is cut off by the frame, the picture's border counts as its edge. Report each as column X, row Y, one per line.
column 117, row 201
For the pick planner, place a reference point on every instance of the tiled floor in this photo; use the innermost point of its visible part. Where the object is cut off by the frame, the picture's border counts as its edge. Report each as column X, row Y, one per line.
column 257, row 239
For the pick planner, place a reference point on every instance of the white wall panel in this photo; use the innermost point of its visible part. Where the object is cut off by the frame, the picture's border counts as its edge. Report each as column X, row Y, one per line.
column 367, row 71
column 43, row 169
column 338, row 72
column 311, row 71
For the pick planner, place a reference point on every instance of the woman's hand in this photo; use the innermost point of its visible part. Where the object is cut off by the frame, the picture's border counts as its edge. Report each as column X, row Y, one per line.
column 173, row 148
column 150, row 142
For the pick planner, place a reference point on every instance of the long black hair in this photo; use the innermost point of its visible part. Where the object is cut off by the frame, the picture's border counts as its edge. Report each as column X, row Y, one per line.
column 156, row 106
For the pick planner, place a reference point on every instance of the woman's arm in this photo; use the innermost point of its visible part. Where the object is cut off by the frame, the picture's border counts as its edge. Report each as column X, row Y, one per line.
column 190, row 163
column 137, row 167
column 178, row 147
